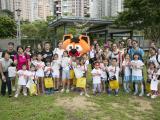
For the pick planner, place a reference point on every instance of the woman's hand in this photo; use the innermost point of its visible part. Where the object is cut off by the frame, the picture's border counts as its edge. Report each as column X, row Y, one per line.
column 3, row 78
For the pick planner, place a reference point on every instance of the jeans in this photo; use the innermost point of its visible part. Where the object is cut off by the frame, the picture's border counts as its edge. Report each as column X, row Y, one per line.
column 7, row 83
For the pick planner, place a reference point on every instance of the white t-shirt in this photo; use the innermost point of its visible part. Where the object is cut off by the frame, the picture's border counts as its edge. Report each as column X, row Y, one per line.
column 127, row 69
column 78, row 71
column 103, row 68
column 12, row 71
column 92, row 53
column 153, row 58
column 40, row 68
column 56, row 64
column 59, row 52
column 34, row 62
column 22, row 77
column 137, row 71
column 112, row 70
column 96, row 78
column 65, row 63
column 5, row 64
column 47, row 70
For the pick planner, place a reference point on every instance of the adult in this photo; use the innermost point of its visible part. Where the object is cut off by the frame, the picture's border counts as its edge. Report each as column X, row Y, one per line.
column 129, row 44
column 116, row 54
column 92, row 53
column 59, row 50
column 47, row 53
column 39, row 48
column 106, row 52
column 10, row 50
column 21, row 58
column 135, row 49
column 154, row 57
column 5, row 62
column 28, row 50
column 121, row 49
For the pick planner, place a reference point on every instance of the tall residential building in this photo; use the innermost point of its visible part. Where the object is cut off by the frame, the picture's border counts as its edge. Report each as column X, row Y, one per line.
column 7, row 4
column 71, row 7
column 100, row 8
column 31, row 10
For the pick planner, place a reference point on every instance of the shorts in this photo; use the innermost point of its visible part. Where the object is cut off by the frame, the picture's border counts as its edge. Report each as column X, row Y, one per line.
column 137, row 79
column 65, row 75
column 12, row 78
column 127, row 78
column 56, row 74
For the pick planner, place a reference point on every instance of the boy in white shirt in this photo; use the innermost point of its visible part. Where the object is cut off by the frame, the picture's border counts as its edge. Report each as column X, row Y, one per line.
column 22, row 80
column 12, row 75
column 96, row 73
column 113, row 70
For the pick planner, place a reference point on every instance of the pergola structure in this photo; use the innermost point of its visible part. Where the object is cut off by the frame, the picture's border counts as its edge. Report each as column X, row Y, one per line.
column 93, row 26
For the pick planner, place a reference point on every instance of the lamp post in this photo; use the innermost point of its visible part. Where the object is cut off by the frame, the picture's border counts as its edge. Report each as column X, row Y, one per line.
column 18, row 11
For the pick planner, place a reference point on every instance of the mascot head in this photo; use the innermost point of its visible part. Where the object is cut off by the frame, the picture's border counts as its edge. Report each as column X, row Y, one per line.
column 76, row 46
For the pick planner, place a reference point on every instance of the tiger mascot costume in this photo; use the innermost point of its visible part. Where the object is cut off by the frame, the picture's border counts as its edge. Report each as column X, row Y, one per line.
column 76, row 46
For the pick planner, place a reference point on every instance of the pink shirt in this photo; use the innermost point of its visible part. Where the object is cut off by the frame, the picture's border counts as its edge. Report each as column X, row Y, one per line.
column 22, row 59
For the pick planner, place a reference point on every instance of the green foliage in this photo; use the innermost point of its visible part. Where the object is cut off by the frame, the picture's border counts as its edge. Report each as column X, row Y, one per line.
column 7, row 13
column 7, row 27
column 141, row 15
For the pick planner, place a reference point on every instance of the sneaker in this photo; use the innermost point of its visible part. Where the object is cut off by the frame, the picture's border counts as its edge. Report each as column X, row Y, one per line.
column 16, row 96
column 87, row 95
column 67, row 91
column 116, row 95
column 25, row 94
column 149, row 94
column 62, row 90
column 135, row 93
column 9, row 96
column 81, row 93
column 153, row 96
column 141, row 94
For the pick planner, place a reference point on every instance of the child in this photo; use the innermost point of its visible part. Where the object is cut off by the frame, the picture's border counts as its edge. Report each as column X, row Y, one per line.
column 72, row 74
column 113, row 72
column 104, row 65
column 152, row 79
column 81, row 68
column 127, row 73
column 65, row 71
column 32, row 80
column 40, row 73
column 22, row 80
column 137, row 78
column 34, row 59
column 96, row 73
column 48, row 75
column 12, row 75
column 56, row 64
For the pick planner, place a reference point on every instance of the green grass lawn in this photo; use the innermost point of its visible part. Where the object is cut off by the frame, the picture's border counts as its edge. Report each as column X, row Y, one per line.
column 74, row 107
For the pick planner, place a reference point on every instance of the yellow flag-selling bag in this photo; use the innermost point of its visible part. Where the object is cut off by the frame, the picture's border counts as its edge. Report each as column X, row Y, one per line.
column 48, row 82
column 81, row 82
column 113, row 82
column 71, row 74
column 33, row 89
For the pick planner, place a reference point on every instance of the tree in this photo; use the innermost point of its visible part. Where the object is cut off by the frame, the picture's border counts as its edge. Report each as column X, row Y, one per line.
column 141, row 15
column 7, row 27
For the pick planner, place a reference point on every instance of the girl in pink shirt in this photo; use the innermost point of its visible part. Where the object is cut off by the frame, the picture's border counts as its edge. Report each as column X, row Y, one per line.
column 21, row 58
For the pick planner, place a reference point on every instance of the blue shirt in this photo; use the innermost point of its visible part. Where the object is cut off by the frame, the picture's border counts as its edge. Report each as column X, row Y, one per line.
column 132, row 51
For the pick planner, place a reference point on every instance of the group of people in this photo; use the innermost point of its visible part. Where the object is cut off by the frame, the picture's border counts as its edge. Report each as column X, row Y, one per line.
column 111, row 66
